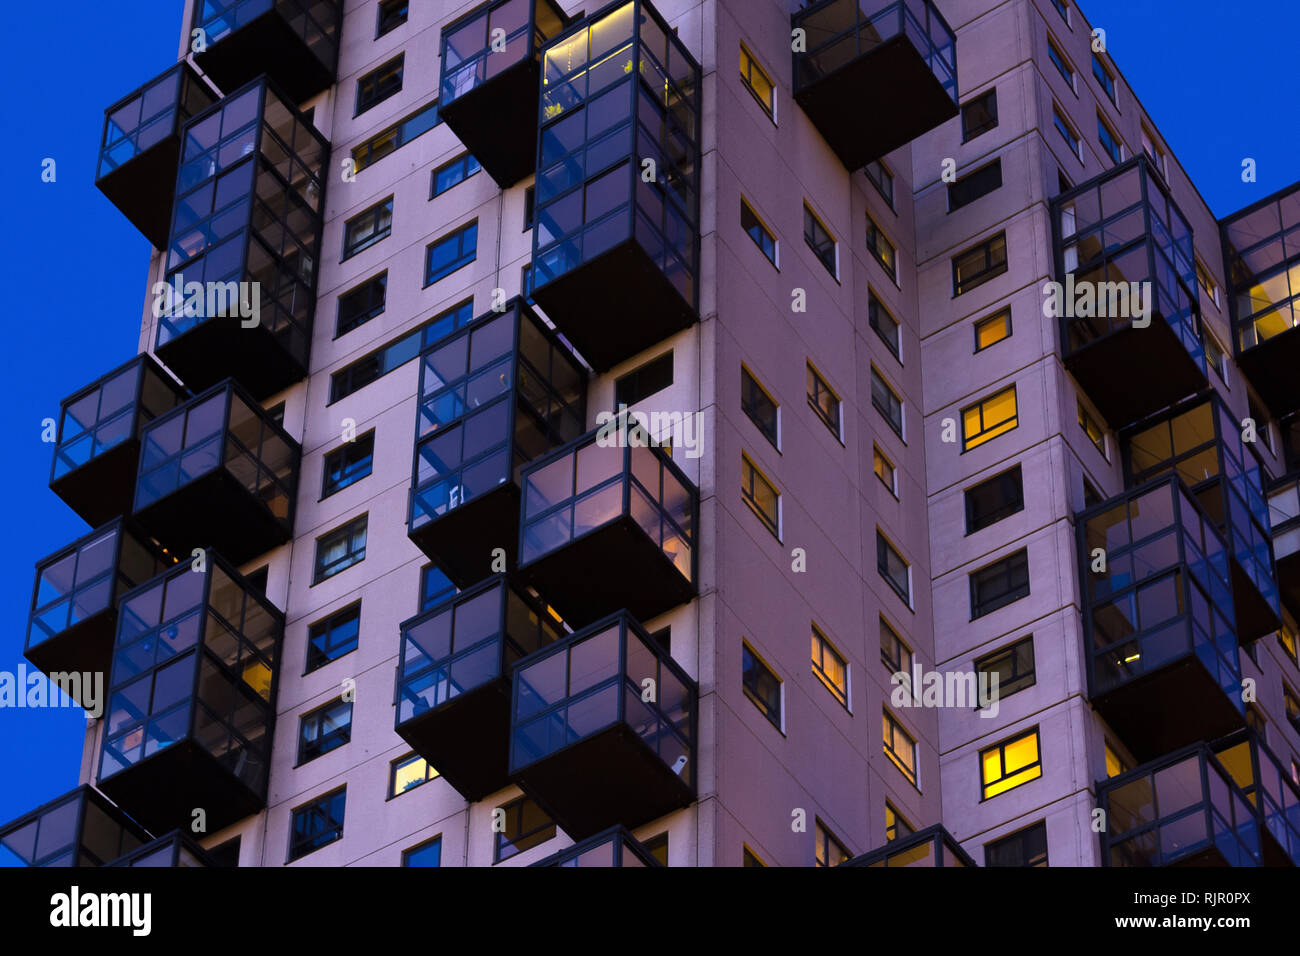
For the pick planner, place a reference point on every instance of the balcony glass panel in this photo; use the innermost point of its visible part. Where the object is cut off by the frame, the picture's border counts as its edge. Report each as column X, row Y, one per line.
column 492, row 40
column 81, row 828
column 931, row 847
column 613, row 847
column 149, row 116
column 1284, row 517
column 315, row 22
column 1263, row 263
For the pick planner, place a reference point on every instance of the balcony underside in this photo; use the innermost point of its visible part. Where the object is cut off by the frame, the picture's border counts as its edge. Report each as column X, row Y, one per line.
column 214, row 511
column 877, row 103
column 1255, row 617
column 86, row 648
column 265, row 45
column 1271, row 368
column 497, row 122
column 467, row 739
column 142, row 189
column 104, row 487
column 221, row 348
column 462, row 540
column 1288, row 581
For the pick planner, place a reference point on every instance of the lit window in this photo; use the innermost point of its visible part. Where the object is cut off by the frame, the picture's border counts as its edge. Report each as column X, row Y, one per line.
column 1027, row 847
column 989, row 418
column 1115, row 764
column 750, row 858
column 407, row 773
column 884, row 469
column 830, row 851
column 759, row 406
column 1286, row 637
column 1003, row 582
column 993, row 329
column 896, row 572
column 896, row 655
column 1209, row 288
column 758, row 83
column 979, row 264
column 900, row 747
column 820, row 241
column 761, row 496
column 886, row 325
column 1010, row 764
column 824, row 401
column 1292, row 703
column 428, row 853
column 394, row 137
column 1013, row 665
column 1092, row 428
column 830, row 668
column 761, row 685
column 895, row 825
column 657, row 847
column 885, row 252
column 755, row 229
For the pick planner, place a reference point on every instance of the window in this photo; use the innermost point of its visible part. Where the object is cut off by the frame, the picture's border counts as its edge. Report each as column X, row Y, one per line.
column 900, row 747
column 1010, row 764
column 362, row 304
column 884, row 469
column 348, row 464
column 428, row 853
column 1067, row 132
column 895, row 825
column 750, row 859
column 1062, row 66
column 755, row 229
column 979, row 115
column 1092, row 428
column 1104, row 77
column 336, row 635
column 452, row 174
column 317, row 824
column 1292, row 703
column 887, row 402
column 1215, row 356
column 340, row 549
column 1003, row 582
column 975, row 184
column 761, row 496
column 824, row 401
column 882, row 179
column 761, row 409
column 1091, row 496
column 829, row 851
column 379, row 84
column 367, row 228
column 820, row 241
column 324, row 729
column 1013, row 665
column 1209, row 288
column 886, row 325
column 831, row 669
column 1286, row 638
column 407, row 773
column 1063, row 9
column 896, row 572
column 989, row 418
column 884, row 251
column 979, row 264
column 1115, row 764
column 896, row 655
column 657, row 847
column 526, row 826
column 392, row 14
column 994, row 499
column 435, row 586
column 530, row 206
column 1110, row 144
column 376, row 364
column 758, row 83
column 1027, row 847
column 1256, row 720
column 444, row 256
column 761, row 685
column 1062, row 182
column 992, row 329
column 256, row 580
column 1154, row 152
column 653, row 376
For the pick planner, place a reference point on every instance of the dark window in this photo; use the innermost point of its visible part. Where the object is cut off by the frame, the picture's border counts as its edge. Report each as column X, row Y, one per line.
column 1110, row 144
column 379, row 84
column 226, row 855
column 1102, row 73
column 407, row 773
column 973, row 185
column 392, row 14
column 760, row 408
column 530, row 202
column 979, row 115
column 452, row 174
column 893, row 569
column 664, row 638
column 749, row 859
column 435, row 586
column 819, row 241
column 896, row 655
column 257, row 579
column 348, row 464
column 526, row 825
column 1067, row 132
column 653, row 376
column 657, row 847
column 383, row 360
column 887, row 402
column 389, row 140
column 1260, row 417
column 340, row 549
column 1091, row 496
column 276, row 413
column 885, row 252
column 886, row 325
column 1063, row 9
column 317, row 824
column 367, row 228
column 999, row 584
column 1028, row 847
column 823, row 401
column 1014, row 666
column 979, row 264
column 882, row 179
column 428, row 853
column 755, row 229
column 324, row 729
column 362, row 304
column 761, row 685
column 330, row 639
column 1058, row 60
column 994, row 499
column 451, row 252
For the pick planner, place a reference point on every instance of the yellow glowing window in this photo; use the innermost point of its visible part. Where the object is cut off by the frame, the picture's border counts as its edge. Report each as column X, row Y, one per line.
column 1096, row 434
column 1114, row 763
column 1010, row 764
column 895, row 825
column 408, row 773
column 830, row 668
column 1286, row 637
column 900, row 748
column 257, row 675
column 884, row 469
column 761, row 496
column 758, row 82
column 993, row 329
column 987, row 419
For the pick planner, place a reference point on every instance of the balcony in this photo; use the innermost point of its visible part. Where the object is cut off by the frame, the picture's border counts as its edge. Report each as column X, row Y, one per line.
column 494, row 396
column 614, row 847
column 1271, row 792
column 487, row 92
column 192, row 698
column 1117, row 235
column 606, row 528
column 245, row 241
column 174, row 850
column 1200, row 442
column 453, row 681
column 295, row 41
column 74, row 604
column 217, row 471
column 80, row 828
column 616, row 258
column 141, row 148
column 934, row 846
column 1261, row 252
column 99, row 437
column 1158, row 621
column 1284, row 519
column 587, row 745
column 874, row 81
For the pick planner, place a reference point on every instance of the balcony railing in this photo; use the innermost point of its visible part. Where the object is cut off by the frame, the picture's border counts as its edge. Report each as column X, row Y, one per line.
column 491, row 68
column 1124, row 257
column 174, row 850
column 245, row 242
column 218, row 471
column 614, row 847
column 607, row 527
column 493, row 396
column 934, row 846
column 873, row 76
column 295, row 41
column 453, row 680
column 192, row 698
column 1284, row 521
column 1158, row 619
column 1272, row 793
column 141, row 147
column 80, row 828
column 603, row 729
column 616, row 238
column 98, row 449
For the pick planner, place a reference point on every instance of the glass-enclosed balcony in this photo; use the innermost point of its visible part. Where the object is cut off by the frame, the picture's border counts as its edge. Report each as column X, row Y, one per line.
column 1180, row 810
column 1271, row 791
column 1158, row 619
column 933, row 847
column 1128, row 310
column 1200, row 442
column 74, row 604
column 1284, row 520
column 80, row 828
column 217, row 471
column 873, row 75
column 192, row 698
column 494, row 396
column 296, row 42
column 141, row 148
column 1261, row 252
column 607, row 527
column 614, row 847
column 245, row 242
column 616, row 240
column 98, row 446
column 174, row 850
column 603, row 729
column 491, row 69
column 453, row 680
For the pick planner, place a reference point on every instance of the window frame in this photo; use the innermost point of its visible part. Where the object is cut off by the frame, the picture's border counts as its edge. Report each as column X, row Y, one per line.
column 822, row 643
column 874, row 307
column 349, row 529
column 972, row 177
column 301, row 848
column 1064, row 68
column 385, row 6
column 1102, row 440
column 900, row 822
column 1010, row 652
column 422, row 847
column 905, row 660
column 887, row 194
column 901, row 428
column 1018, row 840
column 1012, row 506
column 325, row 627
column 811, row 218
column 824, row 841
column 465, row 160
column 991, row 270
column 989, row 101
column 769, row 108
column 376, row 213
column 378, row 91
column 775, row 439
column 761, row 667
column 747, row 496
column 502, row 842
column 362, row 317
column 1104, row 133
column 1003, row 313
column 1068, row 133
column 876, row 237
column 892, row 484
column 347, row 479
column 775, row 257
column 464, row 259
column 324, row 742
column 430, row 773
column 892, row 728
column 1001, row 748
column 633, row 378
column 1004, row 568
column 815, row 383
column 885, row 547
column 989, row 432
column 1105, row 78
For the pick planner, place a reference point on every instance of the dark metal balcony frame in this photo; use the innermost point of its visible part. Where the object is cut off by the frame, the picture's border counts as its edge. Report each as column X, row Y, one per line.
column 1288, row 564
column 176, row 843
column 84, row 795
column 942, row 846
column 1277, row 848
column 618, row 838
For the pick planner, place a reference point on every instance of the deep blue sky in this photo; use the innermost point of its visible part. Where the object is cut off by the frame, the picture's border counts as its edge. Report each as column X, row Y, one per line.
column 1220, row 85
